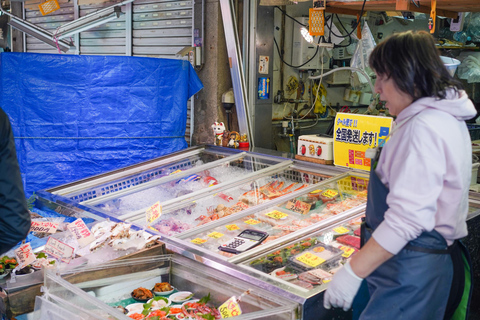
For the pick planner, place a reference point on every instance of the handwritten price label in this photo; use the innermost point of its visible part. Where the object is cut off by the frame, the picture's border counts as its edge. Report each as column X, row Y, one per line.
column 25, row 255
column 330, row 193
column 316, row 191
column 232, row 227
column 347, row 251
column 341, row 230
column 81, row 232
column 215, row 235
column 275, row 214
column 310, row 259
column 198, row 241
column 154, row 212
column 298, row 206
column 44, row 227
column 230, row 308
column 252, row 221
column 59, row 250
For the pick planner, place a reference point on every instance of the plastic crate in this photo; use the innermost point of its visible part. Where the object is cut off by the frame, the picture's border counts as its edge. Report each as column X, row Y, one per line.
column 474, row 130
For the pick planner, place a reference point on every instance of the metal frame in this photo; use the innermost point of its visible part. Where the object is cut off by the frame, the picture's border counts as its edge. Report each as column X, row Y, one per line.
column 236, row 69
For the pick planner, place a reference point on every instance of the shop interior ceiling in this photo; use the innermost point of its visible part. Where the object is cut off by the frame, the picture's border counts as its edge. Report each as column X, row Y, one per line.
column 296, row 103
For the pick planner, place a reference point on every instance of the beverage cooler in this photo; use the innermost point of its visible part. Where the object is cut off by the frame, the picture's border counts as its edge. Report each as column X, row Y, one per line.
column 276, row 224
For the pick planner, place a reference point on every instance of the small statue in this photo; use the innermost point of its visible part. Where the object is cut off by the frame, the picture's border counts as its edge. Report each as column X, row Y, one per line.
column 218, row 130
column 226, row 134
column 233, row 139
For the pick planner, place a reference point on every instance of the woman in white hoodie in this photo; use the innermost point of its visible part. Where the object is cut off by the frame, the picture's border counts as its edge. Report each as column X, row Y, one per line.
column 418, row 191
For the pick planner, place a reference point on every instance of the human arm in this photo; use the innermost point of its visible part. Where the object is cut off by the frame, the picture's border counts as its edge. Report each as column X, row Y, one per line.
column 346, row 282
column 14, row 216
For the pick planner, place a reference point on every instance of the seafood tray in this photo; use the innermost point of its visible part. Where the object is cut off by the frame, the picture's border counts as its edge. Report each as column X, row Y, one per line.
column 113, row 291
column 310, row 262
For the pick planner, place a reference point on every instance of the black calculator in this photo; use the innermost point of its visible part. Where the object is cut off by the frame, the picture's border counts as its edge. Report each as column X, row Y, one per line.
column 246, row 240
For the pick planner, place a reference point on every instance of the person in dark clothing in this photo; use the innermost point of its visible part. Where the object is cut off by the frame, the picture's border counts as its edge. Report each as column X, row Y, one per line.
column 14, row 215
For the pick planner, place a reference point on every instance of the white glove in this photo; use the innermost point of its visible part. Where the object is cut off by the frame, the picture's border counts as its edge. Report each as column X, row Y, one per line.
column 342, row 289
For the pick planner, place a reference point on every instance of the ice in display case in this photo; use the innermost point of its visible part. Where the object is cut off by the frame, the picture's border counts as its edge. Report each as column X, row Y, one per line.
column 290, row 217
column 106, row 292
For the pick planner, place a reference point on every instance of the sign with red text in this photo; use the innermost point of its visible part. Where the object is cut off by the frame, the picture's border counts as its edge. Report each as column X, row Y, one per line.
column 43, row 227
column 230, row 308
column 59, row 250
column 25, row 255
column 81, row 232
column 154, row 212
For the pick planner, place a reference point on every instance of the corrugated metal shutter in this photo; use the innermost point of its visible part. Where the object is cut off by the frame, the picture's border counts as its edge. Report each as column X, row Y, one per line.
column 149, row 28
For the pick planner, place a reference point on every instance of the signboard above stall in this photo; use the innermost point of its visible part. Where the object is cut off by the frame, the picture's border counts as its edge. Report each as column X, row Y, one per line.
column 354, row 134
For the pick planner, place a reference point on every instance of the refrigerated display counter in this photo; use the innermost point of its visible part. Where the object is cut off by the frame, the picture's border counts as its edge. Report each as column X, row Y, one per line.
column 108, row 291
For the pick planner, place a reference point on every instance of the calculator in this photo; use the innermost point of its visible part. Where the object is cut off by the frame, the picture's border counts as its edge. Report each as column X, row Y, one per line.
column 246, row 240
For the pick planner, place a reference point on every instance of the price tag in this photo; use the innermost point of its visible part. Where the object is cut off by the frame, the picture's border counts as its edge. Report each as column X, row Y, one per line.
column 341, row 230
column 327, row 237
column 25, row 255
column 198, row 241
column 316, row 191
column 326, row 281
column 44, row 227
column 59, row 250
column 275, row 214
column 215, row 235
column 298, row 206
column 329, row 193
column 347, row 251
column 176, row 171
column 154, row 212
column 252, row 221
column 310, row 259
column 230, row 308
column 80, row 231
column 232, row 227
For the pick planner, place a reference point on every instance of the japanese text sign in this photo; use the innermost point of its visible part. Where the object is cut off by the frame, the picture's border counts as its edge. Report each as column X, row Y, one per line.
column 59, row 250
column 354, row 134
column 298, row 206
column 44, row 227
column 230, row 308
column 81, row 232
column 154, row 212
column 25, row 255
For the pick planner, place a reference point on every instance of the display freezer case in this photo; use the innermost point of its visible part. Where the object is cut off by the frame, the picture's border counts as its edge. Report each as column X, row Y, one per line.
column 106, row 292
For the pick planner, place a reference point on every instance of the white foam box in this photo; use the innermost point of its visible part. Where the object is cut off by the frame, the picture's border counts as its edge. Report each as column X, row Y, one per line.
column 316, row 149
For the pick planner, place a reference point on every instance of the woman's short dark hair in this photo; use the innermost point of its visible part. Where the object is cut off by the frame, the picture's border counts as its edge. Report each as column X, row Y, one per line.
column 413, row 61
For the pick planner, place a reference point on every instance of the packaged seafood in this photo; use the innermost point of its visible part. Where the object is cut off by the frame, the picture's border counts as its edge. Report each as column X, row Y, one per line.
column 349, row 240
column 315, row 256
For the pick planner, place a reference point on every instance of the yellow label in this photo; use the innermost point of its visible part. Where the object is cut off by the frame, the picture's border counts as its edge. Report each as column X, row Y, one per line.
column 310, row 259
column 198, row 241
column 326, row 281
column 275, row 214
column 347, row 251
column 176, row 171
column 341, row 230
column 252, row 221
column 216, row 235
column 232, row 227
column 154, row 212
column 230, row 308
column 316, row 191
column 330, row 193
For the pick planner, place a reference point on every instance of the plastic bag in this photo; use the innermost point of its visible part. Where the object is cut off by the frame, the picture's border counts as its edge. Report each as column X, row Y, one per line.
column 362, row 53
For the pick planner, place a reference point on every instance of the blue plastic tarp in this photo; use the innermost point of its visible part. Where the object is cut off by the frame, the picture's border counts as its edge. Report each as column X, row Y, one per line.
column 77, row 116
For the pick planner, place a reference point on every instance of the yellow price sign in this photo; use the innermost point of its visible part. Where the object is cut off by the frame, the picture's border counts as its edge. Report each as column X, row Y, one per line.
column 326, row 281
column 215, row 235
column 316, row 191
column 232, row 227
column 252, row 221
column 198, row 241
column 310, row 259
column 230, row 308
column 347, row 251
column 341, row 230
column 330, row 193
column 176, row 171
column 153, row 212
column 275, row 214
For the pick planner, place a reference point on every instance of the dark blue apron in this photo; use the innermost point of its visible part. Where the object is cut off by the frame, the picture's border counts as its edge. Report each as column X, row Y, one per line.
column 412, row 284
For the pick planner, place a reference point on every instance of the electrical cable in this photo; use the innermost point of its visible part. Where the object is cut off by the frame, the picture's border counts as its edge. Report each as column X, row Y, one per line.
column 285, row 13
column 347, row 68
column 416, row 4
column 295, row 67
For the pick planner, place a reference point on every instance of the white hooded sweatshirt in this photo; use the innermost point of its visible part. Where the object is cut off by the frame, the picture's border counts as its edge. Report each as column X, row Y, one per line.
column 426, row 165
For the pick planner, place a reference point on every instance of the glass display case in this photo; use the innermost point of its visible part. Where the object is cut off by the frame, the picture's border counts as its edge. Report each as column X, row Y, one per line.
column 110, row 292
